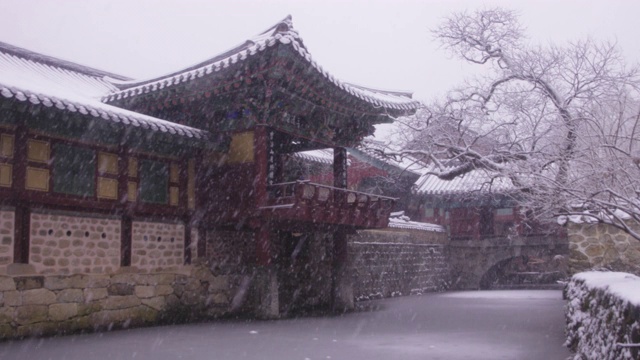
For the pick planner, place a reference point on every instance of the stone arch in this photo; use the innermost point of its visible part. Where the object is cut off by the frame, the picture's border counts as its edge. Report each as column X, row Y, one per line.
column 499, row 271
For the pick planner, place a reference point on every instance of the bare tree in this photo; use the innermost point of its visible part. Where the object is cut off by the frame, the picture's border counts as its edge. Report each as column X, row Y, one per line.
column 562, row 122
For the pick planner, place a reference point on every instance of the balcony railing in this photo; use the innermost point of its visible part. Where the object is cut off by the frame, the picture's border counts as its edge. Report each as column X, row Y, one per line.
column 306, row 201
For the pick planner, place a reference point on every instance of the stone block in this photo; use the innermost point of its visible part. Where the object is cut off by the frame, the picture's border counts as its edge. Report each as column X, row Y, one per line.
column 29, row 314
column 145, row 291
column 120, row 302
column 125, row 278
column 7, row 283
column 96, row 281
column 95, row 294
column 7, row 314
column 219, row 283
column 217, row 299
column 120, row 289
column 163, row 290
column 70, row 295
column 38, row 297
column 87, row 309
column 60, row 312
column 12, row 298
column 21, row 269
column 157, row 303
column 29, row 282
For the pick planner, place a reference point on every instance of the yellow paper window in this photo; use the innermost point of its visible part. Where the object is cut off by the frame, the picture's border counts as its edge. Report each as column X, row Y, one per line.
column 107, row 188
column 38, row 151
column 6, row 175
column 6, row 145
column 174, row 173
column 191, row 185
column 174, row 196
column 107, row 163
column 132, row 191
column 133, row 167
column 37, row 179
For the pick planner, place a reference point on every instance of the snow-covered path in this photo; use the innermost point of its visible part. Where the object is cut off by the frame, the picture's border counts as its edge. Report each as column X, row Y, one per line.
column 459, row 325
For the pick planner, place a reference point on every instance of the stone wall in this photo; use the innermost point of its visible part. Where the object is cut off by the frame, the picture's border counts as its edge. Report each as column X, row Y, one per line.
column 602, row 246
column 7, row 220
column 396, row 262
column 65, row 244
column 157, row 246
column 59, row 304
column 603, row 316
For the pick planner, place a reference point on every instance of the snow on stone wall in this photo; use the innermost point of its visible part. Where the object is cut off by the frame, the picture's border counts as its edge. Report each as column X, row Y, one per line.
column 7, row 220
column 602, row 246
column 603, row 316
column 68, row 244
column 394, row 263
column 157, row 246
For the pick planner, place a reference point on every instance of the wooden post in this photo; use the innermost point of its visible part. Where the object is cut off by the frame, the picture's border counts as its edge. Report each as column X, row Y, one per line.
column 22, row 229
column 125, row 244
column 22, row 212
column 340, row 168
column 125, row 205
column 260, row 148
column 263, row 245
column 342, row 287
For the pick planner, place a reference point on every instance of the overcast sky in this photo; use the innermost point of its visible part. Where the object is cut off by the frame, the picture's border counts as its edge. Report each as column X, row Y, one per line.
column 383, row 44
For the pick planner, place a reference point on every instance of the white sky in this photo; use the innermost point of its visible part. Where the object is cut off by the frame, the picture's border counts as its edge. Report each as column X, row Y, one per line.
column 377, row 43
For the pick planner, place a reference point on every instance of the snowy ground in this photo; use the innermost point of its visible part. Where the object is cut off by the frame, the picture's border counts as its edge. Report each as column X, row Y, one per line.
column 482, row 325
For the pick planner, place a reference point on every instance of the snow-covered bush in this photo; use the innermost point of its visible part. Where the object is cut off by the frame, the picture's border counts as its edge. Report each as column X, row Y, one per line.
column 603, row 316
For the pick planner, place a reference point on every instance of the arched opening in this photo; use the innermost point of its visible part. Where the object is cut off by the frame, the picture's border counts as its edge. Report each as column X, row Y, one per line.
column 524, row 272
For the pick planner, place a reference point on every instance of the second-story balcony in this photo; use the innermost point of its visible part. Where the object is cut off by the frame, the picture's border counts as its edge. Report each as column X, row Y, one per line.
column 323, row 204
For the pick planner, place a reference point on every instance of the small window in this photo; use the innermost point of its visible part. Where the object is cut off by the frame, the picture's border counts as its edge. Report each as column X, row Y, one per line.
column 154, row 181
column 428, row 212
column 74, row 170
column 505, row 211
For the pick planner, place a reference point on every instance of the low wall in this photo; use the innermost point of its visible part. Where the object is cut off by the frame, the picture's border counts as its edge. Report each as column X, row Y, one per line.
column 396, row 262
column 602, row 246
column 603, row 316
column 59, row 304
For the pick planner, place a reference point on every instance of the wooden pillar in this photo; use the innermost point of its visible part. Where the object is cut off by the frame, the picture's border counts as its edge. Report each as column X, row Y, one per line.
column 340, row 168
column 21, row 235
column 263, row 245
column 261, row 149
column 342, row 286
column 22, row 212
column 125, row 205
column 187, row 240
column 125, row 244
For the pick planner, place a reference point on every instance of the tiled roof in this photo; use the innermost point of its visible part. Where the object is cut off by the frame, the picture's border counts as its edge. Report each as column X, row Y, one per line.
column 43, row 80
column 478, row 180
column 398, row 220
column 282, row 33
column 322, row 156
column 372, row 150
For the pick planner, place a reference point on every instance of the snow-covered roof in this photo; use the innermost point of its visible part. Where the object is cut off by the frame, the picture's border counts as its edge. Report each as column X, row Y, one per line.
column 46, row 81
column 478, row 180
column 322, row 156
column 398, row 220
column 283, row 34
column 374, row 149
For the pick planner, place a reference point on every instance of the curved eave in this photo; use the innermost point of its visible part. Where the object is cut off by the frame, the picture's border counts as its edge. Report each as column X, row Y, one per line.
column 103, row 111
column 389, row 100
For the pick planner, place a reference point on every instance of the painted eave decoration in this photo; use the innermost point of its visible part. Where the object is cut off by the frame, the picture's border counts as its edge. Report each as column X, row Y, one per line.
column 282, row 33
column 26, row 76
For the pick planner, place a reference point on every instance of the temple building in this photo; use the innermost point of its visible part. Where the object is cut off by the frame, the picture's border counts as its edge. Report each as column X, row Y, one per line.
column 102, row 174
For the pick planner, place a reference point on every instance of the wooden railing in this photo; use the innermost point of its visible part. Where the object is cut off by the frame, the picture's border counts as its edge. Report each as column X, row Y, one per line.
column 310, row 200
